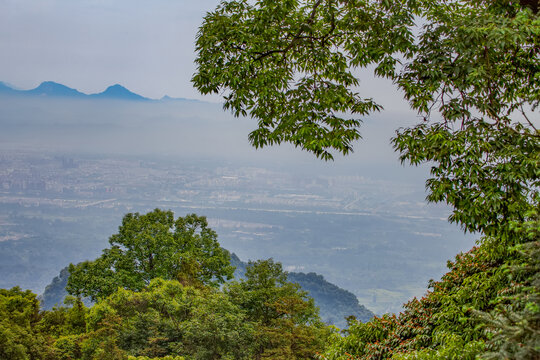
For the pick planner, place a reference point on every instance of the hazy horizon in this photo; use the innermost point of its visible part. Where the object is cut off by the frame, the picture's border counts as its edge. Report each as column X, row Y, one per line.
column 148, row 47
column 372, row 204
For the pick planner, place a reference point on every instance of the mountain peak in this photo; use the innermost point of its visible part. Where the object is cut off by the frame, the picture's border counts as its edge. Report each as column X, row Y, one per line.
column 51, row 84
column 51, row 88
column 119, row 92
column 117, row 87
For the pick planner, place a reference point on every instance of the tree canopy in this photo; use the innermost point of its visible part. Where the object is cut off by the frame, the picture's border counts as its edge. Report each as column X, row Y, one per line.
column 153, row 245
column 19, row 317
column 156, row 297
column 286, row 321
column 291, row 64
column 263, row 317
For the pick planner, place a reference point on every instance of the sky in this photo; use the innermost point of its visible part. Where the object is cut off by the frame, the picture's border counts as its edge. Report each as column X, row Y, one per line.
column 146, row 46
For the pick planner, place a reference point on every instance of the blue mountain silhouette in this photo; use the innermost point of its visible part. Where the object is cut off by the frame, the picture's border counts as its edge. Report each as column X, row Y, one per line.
column 53, row 89
column 50, row 88
column 120, row 93
column 4, row 88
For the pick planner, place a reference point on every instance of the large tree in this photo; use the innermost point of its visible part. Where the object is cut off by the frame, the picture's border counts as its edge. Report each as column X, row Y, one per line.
column 471, row 68
column 153, row 245
column 286, row 321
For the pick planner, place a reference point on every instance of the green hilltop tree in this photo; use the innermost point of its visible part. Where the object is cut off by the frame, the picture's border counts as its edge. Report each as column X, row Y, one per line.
column 286, row 321
column 149, row 246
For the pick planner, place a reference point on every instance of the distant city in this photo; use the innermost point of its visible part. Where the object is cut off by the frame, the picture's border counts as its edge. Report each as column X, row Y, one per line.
column 71, row 165
column 370, row 237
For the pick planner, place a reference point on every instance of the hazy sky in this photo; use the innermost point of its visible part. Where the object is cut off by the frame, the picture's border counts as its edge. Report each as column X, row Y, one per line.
column 147, row 46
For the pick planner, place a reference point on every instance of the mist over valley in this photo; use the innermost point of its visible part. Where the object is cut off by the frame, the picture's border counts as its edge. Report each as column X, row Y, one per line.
column 71, row 167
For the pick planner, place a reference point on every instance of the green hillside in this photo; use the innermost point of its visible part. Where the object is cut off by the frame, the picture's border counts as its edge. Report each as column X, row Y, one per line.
column 335, row 303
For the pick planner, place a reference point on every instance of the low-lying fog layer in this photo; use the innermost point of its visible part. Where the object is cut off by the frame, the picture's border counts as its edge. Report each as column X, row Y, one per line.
column 366, row 231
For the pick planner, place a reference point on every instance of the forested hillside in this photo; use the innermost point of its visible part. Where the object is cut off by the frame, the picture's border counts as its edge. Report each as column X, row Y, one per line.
column 163, row 289
column 335, row 304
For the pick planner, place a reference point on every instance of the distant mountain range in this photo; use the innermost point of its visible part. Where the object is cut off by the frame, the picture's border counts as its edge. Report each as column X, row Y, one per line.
column 53, row 89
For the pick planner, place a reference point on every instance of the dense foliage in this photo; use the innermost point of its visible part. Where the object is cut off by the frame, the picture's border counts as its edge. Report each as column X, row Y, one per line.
column 287, row 322
column 290, row 64
column 441, row 324
column 335, row 304
column 149, row 246
column 20, row 338
column 262, row 316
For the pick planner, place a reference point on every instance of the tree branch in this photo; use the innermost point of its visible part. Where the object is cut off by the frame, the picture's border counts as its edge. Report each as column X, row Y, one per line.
column 527, row 118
